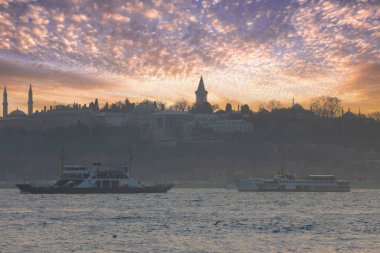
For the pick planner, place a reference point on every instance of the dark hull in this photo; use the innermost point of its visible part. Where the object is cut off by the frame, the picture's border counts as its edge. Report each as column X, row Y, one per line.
column 27, row 188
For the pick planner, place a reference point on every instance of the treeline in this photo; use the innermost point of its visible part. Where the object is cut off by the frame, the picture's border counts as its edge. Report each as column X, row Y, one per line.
column 323, row 107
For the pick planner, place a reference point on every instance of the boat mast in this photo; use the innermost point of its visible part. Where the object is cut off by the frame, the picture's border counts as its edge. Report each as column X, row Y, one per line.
column 61, row 161
column 283, row 165
column 130, row 159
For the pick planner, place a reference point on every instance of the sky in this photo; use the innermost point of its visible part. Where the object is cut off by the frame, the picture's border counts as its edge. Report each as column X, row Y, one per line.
column 247, row 51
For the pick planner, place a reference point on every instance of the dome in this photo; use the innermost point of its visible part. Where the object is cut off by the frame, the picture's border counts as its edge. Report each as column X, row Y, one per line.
column 17, row 114
column 349, row 115
column 297, row 107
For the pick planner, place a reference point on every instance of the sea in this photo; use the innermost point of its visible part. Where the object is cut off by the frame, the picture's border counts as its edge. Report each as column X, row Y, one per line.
column 191, row 220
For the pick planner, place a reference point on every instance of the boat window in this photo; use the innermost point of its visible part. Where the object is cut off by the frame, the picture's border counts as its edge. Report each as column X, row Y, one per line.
column 115, row 183
column 106, row 184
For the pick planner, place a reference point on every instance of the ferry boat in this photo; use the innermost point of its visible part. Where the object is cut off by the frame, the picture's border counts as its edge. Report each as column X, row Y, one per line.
column 288, row 182
column 77, row 179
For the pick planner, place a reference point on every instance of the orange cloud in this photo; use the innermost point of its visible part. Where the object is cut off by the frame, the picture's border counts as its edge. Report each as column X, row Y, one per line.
column 151, row 13
column 362, row 88
column 79, row 18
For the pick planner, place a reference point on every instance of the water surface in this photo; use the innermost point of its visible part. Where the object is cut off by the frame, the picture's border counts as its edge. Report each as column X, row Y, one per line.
column 191, row 220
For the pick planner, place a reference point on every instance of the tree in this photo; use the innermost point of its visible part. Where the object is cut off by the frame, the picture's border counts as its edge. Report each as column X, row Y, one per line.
column 262, row 109
column 326, row 107
column 245, row 109
column 105, row 108
column 274, row 105
column 228, row 108
column 181, row 106
column 374, row 115
column 157, row 105
column 160, row 106
column 128, row 106
column 147, row 102
column 117, row 107
column 92, row 106
column 215, row 108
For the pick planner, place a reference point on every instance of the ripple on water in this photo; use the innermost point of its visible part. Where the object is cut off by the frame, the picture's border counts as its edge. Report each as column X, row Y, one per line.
column 207, row 220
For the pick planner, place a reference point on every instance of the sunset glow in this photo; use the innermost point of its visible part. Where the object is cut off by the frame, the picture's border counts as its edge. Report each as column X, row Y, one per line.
column 247, row 51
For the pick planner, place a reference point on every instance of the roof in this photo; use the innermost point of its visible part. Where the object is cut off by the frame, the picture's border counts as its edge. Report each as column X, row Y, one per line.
column 349, row 114
column 16, row 114
column 297, row 107
column 321, row 175
column 171, row 112
column 201, row 85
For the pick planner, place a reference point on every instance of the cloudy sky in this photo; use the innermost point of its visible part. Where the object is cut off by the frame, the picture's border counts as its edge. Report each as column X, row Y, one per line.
column 247, row 51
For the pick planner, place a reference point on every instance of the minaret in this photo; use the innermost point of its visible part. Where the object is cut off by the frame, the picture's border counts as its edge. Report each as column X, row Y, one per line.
column 30, row 101
column 201, row 94
column 5, row 103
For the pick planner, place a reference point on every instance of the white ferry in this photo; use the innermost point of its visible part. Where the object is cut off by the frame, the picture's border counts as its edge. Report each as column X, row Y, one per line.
column 287, row 182
column 77, row 179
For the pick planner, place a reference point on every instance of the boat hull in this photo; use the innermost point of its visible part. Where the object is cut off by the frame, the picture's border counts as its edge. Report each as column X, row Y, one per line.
column 301, row 190
column 255, row 185
column 27, row 188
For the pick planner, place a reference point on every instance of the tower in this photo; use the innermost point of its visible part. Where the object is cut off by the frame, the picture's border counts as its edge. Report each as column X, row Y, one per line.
column 5, row 103
column 96, row 105
column 201, row 94
column 30, row 101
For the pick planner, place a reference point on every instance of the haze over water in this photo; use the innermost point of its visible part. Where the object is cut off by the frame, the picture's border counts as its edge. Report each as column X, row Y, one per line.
column 191, row 220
